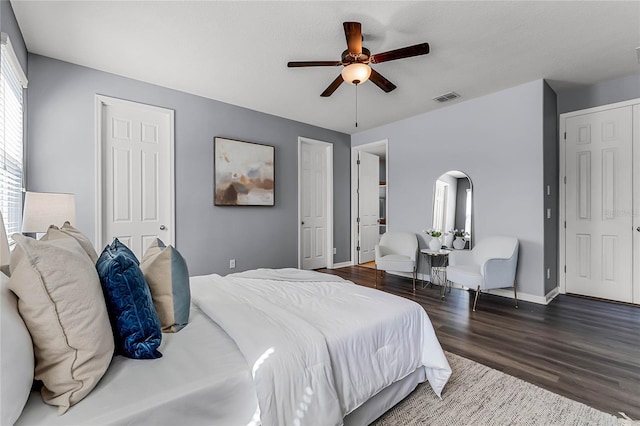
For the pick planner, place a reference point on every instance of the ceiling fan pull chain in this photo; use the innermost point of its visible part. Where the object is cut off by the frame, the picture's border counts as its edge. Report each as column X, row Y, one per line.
column 356, row 105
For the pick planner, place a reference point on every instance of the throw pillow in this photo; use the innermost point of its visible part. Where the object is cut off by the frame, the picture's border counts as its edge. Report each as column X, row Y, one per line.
column 85, row 243
column 16, row 357
column 69, row 231
column 134, row 320
column 168, row 277
column 61, row 303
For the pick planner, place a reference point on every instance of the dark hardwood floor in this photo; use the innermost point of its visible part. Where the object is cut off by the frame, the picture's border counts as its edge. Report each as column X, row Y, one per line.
column 587, row 350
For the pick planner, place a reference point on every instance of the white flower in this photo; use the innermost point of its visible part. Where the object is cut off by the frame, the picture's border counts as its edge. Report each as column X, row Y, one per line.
column 433, row 233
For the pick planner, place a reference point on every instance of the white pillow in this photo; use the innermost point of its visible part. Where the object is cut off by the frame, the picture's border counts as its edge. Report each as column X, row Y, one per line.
column 62, row 305
column 16, row 357
column 4, row 248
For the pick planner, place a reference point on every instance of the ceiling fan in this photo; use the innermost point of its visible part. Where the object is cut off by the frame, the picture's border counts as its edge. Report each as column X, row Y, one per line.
column 356, row 60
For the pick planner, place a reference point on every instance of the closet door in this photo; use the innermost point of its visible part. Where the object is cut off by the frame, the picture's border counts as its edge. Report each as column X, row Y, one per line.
column 599, row 204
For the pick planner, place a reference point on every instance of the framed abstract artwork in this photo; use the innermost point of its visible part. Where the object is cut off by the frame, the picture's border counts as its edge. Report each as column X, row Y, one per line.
column 243, row 173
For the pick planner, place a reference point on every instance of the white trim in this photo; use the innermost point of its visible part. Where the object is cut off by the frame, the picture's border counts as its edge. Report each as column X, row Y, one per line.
column 541, row 300
column 508, row 293
column 329, row 185
column 607, row 107
column 635, row 184
column 341, row 265
column 562, row 279
column 354, row 193
column 562, row 196
column 101, row 101
column 13, row 59
column 552, row 294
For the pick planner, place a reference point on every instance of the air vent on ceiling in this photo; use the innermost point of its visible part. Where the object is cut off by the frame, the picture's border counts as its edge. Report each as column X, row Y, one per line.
column 446, row 97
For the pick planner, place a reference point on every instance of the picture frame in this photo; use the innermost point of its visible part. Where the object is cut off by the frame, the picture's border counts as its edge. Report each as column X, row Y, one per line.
column 244, row 173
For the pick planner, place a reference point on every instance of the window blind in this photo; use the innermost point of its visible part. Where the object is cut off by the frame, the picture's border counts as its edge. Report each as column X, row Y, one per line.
column 12, row 83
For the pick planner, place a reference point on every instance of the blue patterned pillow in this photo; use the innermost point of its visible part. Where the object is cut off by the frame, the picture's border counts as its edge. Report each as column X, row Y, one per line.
column 134, row 320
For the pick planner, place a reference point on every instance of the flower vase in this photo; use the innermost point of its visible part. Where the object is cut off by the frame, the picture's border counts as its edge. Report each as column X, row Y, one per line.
column 448, row 240
column 459, row 243
column 435, row 244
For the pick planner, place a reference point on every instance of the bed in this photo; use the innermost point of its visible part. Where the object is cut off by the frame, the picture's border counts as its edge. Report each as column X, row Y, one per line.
column 270, row 347
column 339, row 353
column 329, row 344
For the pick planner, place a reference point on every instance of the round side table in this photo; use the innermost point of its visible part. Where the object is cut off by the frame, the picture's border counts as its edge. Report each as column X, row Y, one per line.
column 437, row 274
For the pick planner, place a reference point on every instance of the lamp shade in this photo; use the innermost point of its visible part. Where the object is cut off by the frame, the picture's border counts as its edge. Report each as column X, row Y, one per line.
column 42, row 209
column 356, row 73
column 4, row 244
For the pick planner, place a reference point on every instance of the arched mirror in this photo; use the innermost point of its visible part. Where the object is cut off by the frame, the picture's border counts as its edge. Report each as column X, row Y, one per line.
column 452, row 196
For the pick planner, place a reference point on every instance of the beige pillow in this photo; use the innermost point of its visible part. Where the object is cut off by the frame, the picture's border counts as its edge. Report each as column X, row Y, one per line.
column 70, row 231
column 165, row 270
column 61, row 302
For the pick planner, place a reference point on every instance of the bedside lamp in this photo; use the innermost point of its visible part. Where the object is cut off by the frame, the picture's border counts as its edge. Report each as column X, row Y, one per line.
column 42, row 209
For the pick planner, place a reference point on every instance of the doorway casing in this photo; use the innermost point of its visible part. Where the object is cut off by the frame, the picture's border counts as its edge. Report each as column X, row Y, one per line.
column 378, row 147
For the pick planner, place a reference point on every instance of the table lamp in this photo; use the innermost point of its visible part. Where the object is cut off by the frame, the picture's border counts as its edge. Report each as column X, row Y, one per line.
column 42, row 209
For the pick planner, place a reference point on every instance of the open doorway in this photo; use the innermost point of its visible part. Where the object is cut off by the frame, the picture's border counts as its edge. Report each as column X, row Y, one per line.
column 369, row 199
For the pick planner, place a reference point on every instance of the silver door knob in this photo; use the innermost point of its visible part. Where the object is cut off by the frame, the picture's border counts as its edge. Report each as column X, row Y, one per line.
column 638, row 229
column 162, row 227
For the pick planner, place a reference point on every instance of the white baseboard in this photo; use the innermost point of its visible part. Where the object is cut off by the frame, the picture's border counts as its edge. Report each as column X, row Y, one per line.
column 541, row 300
column 497, row 292
column 342, row 264
column 552, row 294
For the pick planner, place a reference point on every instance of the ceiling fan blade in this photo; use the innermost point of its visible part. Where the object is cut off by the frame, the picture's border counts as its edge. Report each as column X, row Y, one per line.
column 313, row 64
column 381, row 82
column 405, row 52
column 353, row 32
column 333, row 86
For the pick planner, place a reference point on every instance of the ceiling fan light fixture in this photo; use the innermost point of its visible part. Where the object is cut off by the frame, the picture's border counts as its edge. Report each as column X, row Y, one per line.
column 356, row 73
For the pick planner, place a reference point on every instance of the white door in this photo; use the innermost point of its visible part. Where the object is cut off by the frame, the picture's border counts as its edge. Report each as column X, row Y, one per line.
column 136, row 156
column 636, row 204
column 599, row 194
column 313, row 205
column 368, row 205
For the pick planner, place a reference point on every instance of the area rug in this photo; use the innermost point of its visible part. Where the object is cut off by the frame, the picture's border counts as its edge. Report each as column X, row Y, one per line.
column 479, row 395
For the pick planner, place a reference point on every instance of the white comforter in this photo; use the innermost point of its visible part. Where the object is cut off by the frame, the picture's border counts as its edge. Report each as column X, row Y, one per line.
column 319, row 346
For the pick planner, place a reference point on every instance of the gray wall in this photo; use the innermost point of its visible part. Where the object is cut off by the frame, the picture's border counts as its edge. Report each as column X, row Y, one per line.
column 61, row 142
column 603, row 93
column 498, row 141
column 551, row 179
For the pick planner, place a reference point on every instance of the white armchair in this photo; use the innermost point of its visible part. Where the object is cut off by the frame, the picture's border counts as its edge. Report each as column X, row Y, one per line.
column 397, row 251
column 490, row 264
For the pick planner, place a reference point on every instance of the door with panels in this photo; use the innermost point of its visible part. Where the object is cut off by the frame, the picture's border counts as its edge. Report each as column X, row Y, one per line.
column 313, row 208
column 599, row 197
column 136, row 183
column 368, row 205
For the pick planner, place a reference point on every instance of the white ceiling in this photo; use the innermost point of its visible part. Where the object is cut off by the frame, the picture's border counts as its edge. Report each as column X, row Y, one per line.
column 236, row 52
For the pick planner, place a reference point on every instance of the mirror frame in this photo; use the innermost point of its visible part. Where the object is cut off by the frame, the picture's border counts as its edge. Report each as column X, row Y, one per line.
column 433, row 201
